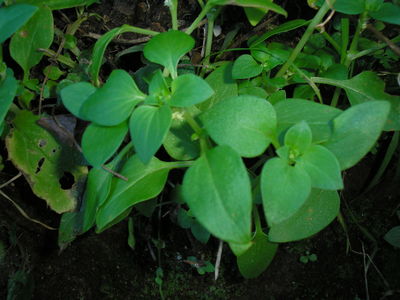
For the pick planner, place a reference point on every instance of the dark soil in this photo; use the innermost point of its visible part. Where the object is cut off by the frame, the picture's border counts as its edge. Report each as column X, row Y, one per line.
column 102, row 266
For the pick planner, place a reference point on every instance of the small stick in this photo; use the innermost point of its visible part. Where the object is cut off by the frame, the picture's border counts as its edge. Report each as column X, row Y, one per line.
column 385, row 39
column 114, row 173
column 218, row 260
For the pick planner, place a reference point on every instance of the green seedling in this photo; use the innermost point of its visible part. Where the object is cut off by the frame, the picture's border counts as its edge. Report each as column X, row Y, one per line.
column 308, row 257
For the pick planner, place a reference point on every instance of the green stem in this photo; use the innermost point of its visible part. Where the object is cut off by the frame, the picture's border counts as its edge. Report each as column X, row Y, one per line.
column 201, row 3
column 210, row 34
column 331, row 41
column 354, row 42
column 345, row 25
column 183, row 164
column 335, row 97
column 61, row 58
column 173, row 8
column 257, row 220
column 200, row 17
column 197, row 129
column 306, row 36
column 373, row 49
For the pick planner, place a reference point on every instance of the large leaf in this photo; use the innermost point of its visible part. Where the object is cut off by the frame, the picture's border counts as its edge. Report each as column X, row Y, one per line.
column 246, row 67
column 224, row 86
column 218, row 192
column 114, row 102
column 246, row 123
column 73, row 96
column 13, row 17
column 356, row 130
column 49, row 167
column 144, row 182
column 148, row 126
column 99, row 143
column 188, row 90
column 317, row 212
column 367, row 86
column 388, row 12
column 317, row 116
column 258, row 257
column 8, row 89
column 167, row 49
column 284, row 189
column 36, row 33
column 58, row 4
column 260, row 4
column 353, row 7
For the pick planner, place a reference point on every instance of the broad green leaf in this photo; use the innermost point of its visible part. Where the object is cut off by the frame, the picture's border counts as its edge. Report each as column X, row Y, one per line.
column 388, row 12
column 99, row 143
column 254, row 15
column 261, row 4
column 58, row 4
column 317, row 116
column 240, row 249
column 148, row 126
column 36, row 33
column 298, row 138
column 73, row 96
column 167, row 49
column 367, row 86
column 284, row 189
column 320, row 209
column 356, row 130
column 245, row 123
column 199, row 232
column 179, row 141
column 8, row 89
column 353, row 7
column 158, row 85
column 13, row 17
column 144, row 182
column 224, row 86
column 188, row 90
column 114, row 102
column 258, row 257
column 322, row 167
column 45, row 163
column 246, row 67
column 70, row 227
column 393, row 236
column 218, row 191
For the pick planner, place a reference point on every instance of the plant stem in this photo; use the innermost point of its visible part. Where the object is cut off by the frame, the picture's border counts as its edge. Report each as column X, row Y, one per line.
column 306, row 36
column 354, row 42
column 173, row 8
column 331, row 41
column 209, row 39
column 200, row 17
column 345, row 39
column 197, row 129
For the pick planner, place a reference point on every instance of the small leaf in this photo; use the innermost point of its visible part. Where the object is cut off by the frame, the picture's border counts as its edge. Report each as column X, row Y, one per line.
column 199, row 232
column 254, row 15
column 356, row 130
column 388, row 12
column 320, row 209
column 258, row 257
column 245, row 123
column 188, row 90
column 36, row 33
column 148, row 127
column 322, row 167
column 393, row 236
column 284, row 189
column 13, row 17
column 167, row 49
column 8, row 89
column 298, row 138
column 73, row 96
column 114, row 102
column 45, row 163
column 144, row 182
column 246, row 67
column 99, row 143
column 131, row 234
column 218, row 192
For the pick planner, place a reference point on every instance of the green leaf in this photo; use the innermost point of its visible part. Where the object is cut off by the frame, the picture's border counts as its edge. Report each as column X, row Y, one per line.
column 356, row 130
column 148, row 126
column 298, row 138
column 144, row 182
column 322, row 167
column 179, row 141
column 246, row 67
column 258, row 257
column 224, row 86
column 367, row 86
column 388, row 12
column 218, row 192
column 13, row 17
column 45, row 163
column 188, row 90
column 73, row 96
column 320, row 209
column 353, row 7
column 199, row 232
column 254, row 15
column 261, row 4
column 36, row 33
column 284, row 189
column 99, row 143
column 58, row 4
column 393, row 236
column 8, row 89
column 245, row 123
column 317, row 116
column 114, row 102
column 167, row 49
column 131, row 234
column 53, row 72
